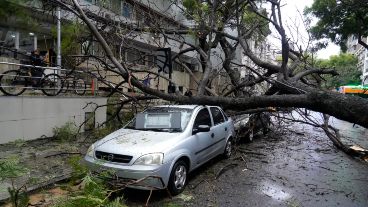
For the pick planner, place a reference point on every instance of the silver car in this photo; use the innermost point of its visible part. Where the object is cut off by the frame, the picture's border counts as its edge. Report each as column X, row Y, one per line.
column 164, row 141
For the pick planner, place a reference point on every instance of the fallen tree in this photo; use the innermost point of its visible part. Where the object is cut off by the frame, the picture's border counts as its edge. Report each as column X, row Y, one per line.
column 290, row 89
column 293, row 82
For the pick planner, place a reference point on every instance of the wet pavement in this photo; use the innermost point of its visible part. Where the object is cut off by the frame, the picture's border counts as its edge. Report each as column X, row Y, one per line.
column 353, row 134
column 302, row 168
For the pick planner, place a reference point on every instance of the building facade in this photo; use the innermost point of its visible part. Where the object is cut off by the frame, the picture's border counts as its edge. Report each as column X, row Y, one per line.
column 353, row 47
column 140, row 32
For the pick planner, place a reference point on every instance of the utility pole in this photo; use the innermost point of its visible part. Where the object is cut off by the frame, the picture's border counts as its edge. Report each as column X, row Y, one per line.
column 58, row 60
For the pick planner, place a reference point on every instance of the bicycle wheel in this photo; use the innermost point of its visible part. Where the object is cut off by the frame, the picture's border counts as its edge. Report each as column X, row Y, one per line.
column 65, row 88
column 80, row 86
column 51, row 85
column 12, row 83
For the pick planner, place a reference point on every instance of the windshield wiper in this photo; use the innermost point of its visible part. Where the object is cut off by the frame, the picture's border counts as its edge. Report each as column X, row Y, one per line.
column 151, row 129
column 176, row 130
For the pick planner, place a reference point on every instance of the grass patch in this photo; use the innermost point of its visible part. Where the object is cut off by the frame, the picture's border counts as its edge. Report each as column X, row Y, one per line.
column 66, row 132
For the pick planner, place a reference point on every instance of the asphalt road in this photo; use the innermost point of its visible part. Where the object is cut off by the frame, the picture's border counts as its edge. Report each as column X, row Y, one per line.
column 296, row 168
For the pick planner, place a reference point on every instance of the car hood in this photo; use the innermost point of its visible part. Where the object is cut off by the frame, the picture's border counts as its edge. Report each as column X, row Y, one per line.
column 136, row 142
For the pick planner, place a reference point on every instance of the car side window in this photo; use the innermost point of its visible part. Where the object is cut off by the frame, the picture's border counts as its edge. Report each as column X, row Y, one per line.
column 223, row 113
column 218, row 118
column 203, row 118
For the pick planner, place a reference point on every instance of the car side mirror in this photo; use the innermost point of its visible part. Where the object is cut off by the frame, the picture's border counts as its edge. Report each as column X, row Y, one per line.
column 201, row 128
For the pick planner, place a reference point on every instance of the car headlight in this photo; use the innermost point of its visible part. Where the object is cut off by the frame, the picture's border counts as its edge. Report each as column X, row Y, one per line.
column 91, row 151
column 150, row 159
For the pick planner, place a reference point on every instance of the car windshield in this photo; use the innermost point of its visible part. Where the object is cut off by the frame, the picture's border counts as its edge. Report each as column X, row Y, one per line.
column 169, row 119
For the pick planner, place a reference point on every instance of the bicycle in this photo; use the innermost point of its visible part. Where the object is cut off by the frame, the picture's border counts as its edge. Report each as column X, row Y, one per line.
column 78, row 85
column 15, row 82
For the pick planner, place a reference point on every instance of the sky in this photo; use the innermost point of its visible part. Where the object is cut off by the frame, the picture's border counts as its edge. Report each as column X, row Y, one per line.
column 292, row 12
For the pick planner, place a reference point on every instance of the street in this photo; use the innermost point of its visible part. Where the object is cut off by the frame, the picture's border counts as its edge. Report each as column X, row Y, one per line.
column 296, row 167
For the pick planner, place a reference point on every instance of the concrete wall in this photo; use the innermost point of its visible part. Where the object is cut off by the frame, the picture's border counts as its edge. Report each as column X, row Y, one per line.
column 32, row 117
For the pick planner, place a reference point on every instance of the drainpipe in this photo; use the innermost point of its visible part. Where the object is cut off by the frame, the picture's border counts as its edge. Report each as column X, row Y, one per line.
column 16, row 40
column 35, row 42
column 16, row 44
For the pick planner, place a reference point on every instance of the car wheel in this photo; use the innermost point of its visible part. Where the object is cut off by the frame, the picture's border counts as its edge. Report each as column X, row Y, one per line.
column 178, row 177
column 228, row 149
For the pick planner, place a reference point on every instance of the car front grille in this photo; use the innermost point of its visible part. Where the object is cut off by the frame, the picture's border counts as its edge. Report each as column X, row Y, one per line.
column 113, row 157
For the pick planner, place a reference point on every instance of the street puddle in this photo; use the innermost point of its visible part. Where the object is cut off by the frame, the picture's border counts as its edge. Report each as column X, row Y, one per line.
column 274, row 191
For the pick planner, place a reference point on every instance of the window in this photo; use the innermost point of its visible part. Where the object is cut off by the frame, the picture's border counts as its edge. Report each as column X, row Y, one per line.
column 177, row 66
column 162, row 118
column 87, row 48
column 137, row 57
column 223, row 113
column 151, row 60
column 203, row 118
column 142, row 17
column 218, row 118
column 126, row 10
column 115, row 6
column 103, row 3
column 180, row 89
column 157, row 120
column 141, row 58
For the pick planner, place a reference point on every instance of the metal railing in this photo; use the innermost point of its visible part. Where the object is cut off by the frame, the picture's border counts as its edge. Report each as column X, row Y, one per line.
column 46, row 70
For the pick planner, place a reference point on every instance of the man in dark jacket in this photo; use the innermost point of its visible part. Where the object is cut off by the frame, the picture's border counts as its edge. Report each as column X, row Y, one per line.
column 36, row 72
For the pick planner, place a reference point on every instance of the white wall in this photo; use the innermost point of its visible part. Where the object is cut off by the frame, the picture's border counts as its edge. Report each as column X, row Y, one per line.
column 32, row 117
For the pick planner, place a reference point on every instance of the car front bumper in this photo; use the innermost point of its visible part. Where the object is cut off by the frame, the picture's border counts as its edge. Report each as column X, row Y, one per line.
column 135, row 176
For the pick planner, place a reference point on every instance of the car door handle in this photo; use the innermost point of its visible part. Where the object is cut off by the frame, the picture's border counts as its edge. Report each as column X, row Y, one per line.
column 225, row 129
column 212, row 135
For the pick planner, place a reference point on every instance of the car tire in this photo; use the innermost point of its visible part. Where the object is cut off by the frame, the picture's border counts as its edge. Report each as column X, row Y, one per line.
column 178, row 177
column 228, row 149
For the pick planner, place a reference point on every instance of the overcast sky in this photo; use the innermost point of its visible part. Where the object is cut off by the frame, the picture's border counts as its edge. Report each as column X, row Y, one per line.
column 292, row 11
